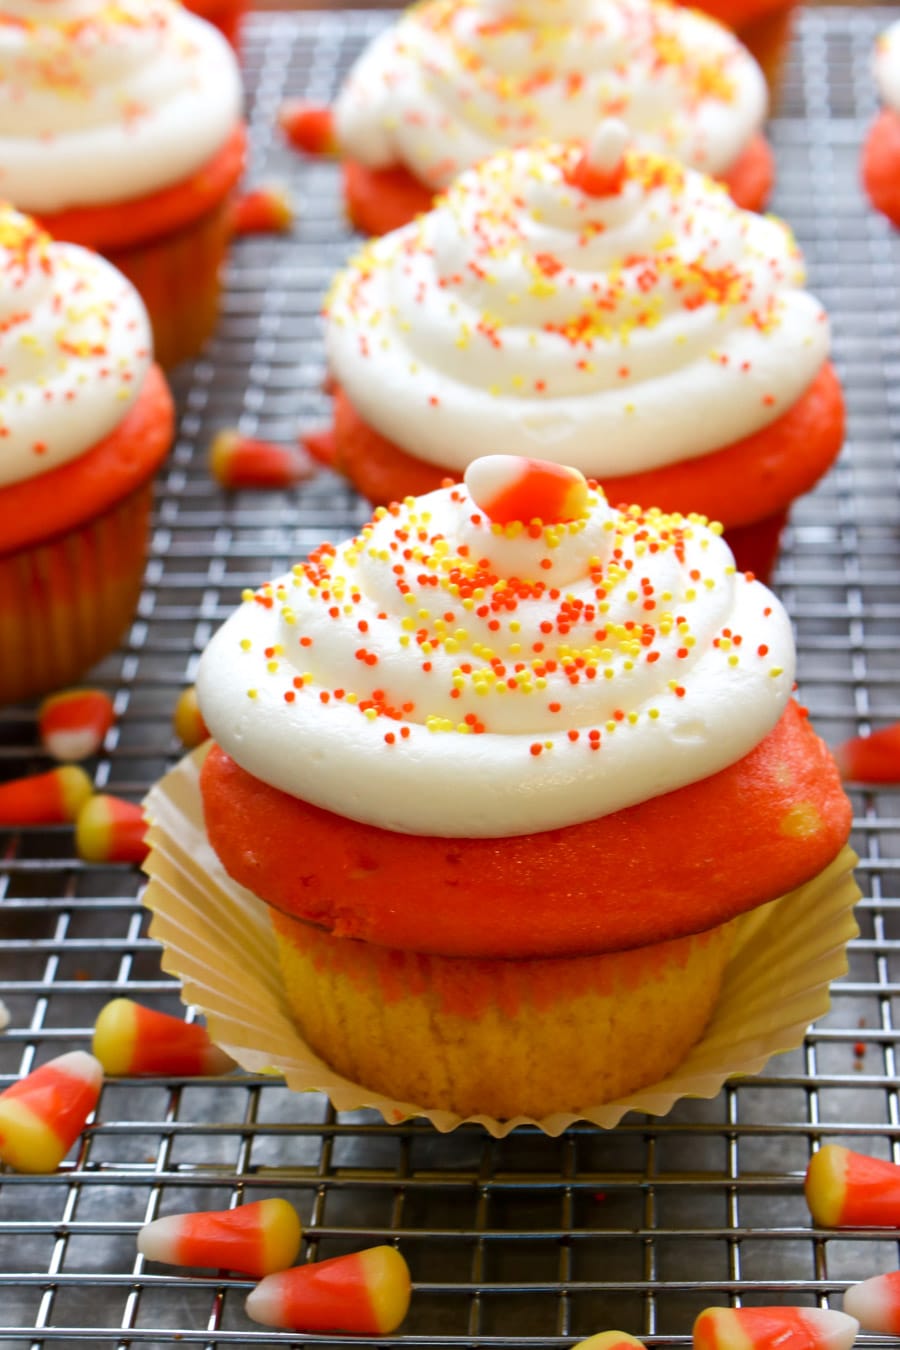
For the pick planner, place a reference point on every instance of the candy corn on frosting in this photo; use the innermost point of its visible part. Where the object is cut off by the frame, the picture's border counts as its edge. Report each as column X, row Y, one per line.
column 453, row 81
column 85, row 419
column 506, row 766
column 596, row 305
column 881, row 154
column 120, row 129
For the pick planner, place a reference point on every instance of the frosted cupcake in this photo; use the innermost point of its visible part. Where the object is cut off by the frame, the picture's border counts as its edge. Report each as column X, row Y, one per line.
column 85, row 420
column 453, row 81
column 762, row 26
column 506, row 767
column 120, row 128
column 881, row 156
column 607, row 309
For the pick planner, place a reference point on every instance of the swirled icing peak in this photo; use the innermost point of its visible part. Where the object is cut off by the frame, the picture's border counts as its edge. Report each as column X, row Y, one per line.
column 616, row 328
column 454, row 80
column 106, row 100
column 887, row 66
column 448, row 674
column 75, row 346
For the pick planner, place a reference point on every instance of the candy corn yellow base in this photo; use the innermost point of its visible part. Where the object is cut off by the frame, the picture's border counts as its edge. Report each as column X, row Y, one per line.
column 178, row 276
column 495, row 1037
column 65, row 603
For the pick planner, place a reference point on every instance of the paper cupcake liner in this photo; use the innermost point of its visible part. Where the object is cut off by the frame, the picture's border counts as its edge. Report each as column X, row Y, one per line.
column 218, row 941
column 66, row 602
column 178, row 276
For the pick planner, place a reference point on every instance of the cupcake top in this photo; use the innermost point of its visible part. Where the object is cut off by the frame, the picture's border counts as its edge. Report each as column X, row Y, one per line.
column 887, row 66
column 607, row 309
column 500, row 657
column 75, row 347
column 454, row 80
column 101, row 102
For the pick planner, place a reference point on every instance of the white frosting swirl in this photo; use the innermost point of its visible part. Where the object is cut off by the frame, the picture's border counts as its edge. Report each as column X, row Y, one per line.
column 442, row 675
column 887, row 66
column 615, row 333
column 75, row 346
column 102, row 101
column 454, row 80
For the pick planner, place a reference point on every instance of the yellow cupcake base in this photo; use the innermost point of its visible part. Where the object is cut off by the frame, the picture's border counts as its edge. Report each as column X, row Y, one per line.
column 497, row 1037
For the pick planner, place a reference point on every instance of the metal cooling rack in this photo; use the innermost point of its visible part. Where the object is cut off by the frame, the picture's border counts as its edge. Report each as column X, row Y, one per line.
column 528, row 1241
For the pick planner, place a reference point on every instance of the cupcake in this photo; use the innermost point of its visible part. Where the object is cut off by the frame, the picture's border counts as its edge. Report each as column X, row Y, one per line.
column 881, row 155
column 762, row 26
column 227, row 15
column 605, row 308
column 120, row 129
column 453, row 81
column 85, row 420
column 506, row 768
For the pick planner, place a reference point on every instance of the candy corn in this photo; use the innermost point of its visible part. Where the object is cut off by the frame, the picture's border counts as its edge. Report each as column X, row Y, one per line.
column 600, row 171
column 508, row 488
column 308, row 126
column 265, row 210
column 43, row 1114
column 109, row 829
column 72, row 724
column 255, row 1239
column 187, row 719
column 366, row 1294
column 875, row 1303
column 237, row 461
column 763, row 1328
column 50, row 798
column 850, row 1190
column 610, row 1340
column 871, row 759
column 131, row 1039
column 321, row 446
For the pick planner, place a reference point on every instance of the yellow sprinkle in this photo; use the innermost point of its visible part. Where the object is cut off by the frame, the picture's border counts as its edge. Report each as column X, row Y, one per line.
column 246, row 644
column 252, row 693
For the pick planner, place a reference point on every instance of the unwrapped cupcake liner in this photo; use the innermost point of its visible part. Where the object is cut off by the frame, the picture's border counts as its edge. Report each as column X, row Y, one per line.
column 217, row 939
column 65, row 602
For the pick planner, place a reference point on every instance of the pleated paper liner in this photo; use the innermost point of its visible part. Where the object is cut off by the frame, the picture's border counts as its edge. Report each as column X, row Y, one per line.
column 218, row 941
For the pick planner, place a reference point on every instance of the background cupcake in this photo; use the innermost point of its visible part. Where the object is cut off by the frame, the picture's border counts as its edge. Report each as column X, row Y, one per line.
column 881, row 156
column 505, row 767
column 762, row 26
column 85, row 419
column 227, row 15
column 609, row 310
column 120, row 128
column 455, row 80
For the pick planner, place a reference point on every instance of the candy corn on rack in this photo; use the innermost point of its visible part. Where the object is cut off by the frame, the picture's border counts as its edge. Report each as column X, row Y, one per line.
column 527, row 1241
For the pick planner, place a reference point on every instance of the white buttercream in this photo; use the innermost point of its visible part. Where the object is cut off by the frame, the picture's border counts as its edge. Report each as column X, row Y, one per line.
column 349, row 681
column 103, row 102
column 887, row 66
column 615, row 333
column 75, row 347
column 454, row 80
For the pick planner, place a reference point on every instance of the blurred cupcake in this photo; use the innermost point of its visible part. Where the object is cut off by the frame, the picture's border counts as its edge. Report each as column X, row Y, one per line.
column 456, row 80
column 604, row 308
column 506, row 767
column 120, row 129
column 85, row 420
column 881, row 156
column 762, row 26
column 227, row 15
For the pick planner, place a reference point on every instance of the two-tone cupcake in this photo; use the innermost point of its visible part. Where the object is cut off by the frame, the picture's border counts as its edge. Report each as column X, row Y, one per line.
column 881, row 154
column 121, row 130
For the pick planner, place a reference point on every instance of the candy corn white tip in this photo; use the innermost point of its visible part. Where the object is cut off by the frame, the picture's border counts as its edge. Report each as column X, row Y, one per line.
column 81, row 1065
column 607, row 146
column 875, row 1303
column 265, row 1303
column 4, row 1016
column 158, row 1241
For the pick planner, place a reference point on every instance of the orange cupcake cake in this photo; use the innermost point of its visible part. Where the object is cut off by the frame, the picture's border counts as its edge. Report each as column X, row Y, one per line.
column 881, row 155
column 454, row 81
column 85, row 420
column 762, row 26
column 121, row 130
column 506, row 767
column 604, row 308
column 227, row 15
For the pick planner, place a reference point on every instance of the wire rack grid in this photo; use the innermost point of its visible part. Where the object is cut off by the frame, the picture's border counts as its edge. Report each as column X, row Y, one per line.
column 528, row 1240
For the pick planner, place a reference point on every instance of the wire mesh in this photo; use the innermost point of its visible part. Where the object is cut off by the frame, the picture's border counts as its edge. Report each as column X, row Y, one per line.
column 528, row 1240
